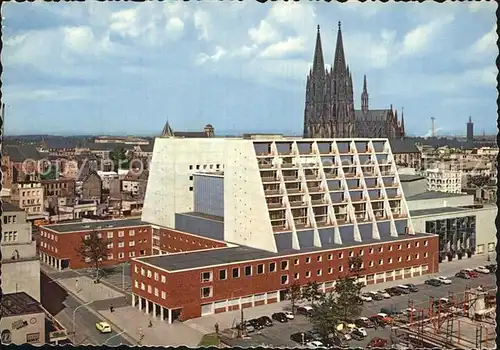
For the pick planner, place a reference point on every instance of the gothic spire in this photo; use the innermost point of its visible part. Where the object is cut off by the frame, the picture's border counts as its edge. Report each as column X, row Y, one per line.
column 403, row 121
column 167, row 130
column 364, row 97
column 318, row 62
column 364, row 85
column 339, row 64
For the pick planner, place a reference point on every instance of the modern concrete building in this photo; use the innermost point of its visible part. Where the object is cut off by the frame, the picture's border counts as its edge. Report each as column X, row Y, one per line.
column 464, row 227
column 29, row 196
column 441, row 180
column 20, row 263
column 287, row 209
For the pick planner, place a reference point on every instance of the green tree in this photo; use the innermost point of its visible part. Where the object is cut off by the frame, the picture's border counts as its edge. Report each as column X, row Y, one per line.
column 324, row 316
column 93, row 249
column 348, row 291
column 311, row 291
column 294, row 294
column 50, row 173
column 119, row 158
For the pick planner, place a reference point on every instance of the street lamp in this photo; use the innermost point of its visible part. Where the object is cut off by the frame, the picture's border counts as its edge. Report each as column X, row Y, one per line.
column 114, row 336
column 74, row 314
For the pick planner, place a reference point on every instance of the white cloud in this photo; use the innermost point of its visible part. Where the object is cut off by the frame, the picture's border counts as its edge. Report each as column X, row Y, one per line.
column 476, row 6
column 175, row 27
column 79, row 39
column 203, row 58
column 202, row 22
column 487, row 43
column 23, row 93
column 297, row 16
column 362, row 9
column 419, row 39
column 289, row 46
column 125, row 23
column 264, row 33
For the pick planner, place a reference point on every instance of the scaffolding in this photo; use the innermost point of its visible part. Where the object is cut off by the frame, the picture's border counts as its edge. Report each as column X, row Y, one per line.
column 460, row 320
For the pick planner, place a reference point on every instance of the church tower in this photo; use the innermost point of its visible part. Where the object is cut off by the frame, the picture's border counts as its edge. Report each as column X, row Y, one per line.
column 364, row 97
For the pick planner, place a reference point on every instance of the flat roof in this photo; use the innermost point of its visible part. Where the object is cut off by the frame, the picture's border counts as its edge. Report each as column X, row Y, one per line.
column 436, row 211
column 17, row 304
column 203, row 216
column 434, row 195
column 231, row 255
column 95, row 225
column 7, row 206
column 408, row 178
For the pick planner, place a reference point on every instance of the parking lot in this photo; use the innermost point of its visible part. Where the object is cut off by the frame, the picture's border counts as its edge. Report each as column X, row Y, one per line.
column 279, row 334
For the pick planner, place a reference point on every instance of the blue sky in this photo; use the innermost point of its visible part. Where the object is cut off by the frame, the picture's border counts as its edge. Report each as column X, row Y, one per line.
column 125, row 68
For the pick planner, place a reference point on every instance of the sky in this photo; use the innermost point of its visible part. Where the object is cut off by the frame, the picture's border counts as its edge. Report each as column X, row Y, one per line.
column 126, row 68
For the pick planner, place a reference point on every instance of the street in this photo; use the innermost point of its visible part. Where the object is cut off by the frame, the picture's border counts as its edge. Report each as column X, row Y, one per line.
column 62, row 306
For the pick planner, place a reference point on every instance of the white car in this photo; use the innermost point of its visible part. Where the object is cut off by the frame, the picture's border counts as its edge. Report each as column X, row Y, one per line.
column 444, row 280
column 289, row 315
column 365, row 297
column 314, row 344
column 482, row 269
column 362, row 330
column 383, row 293
column 409, row 310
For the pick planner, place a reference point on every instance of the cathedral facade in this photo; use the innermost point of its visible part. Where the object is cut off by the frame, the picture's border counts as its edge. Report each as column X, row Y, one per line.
column 329, row 107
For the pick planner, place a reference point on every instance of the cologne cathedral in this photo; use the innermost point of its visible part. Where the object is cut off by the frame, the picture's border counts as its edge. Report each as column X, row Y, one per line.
column 329, row 108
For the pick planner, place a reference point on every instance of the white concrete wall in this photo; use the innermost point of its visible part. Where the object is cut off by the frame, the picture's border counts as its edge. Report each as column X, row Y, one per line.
column 168, row 191
column 246, row 217
column 21, row 276
column 34, row 326
column 459, row 200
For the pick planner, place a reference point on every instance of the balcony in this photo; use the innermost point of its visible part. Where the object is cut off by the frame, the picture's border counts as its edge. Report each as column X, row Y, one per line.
column 288, row 165
column 291, row 178
column 318, row 202
column 311, row 177
column 297, row 204
column 275, row 205
column 269, row 179
column 265, row 166
column 315, row 189
column 272, row 192
column 350, row 174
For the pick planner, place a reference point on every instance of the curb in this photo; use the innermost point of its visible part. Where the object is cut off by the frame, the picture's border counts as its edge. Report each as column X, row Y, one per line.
column 131, row 340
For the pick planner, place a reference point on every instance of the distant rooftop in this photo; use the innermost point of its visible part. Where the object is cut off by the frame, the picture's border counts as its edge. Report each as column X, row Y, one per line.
column 436, row 211
column 203, row 216
column 434, row 195
column 409, row 178
column 96, row 225
column 220, row 256
column 7, row 206
column 18, row 304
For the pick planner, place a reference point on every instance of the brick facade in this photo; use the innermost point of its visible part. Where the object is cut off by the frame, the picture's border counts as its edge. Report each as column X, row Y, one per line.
column 173, row 241
column 422, row 252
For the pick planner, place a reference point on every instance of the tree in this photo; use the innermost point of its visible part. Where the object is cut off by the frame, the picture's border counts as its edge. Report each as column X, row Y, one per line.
column 348, row 290
column 93, row 249
column 311, row 291
column 119, row 158
column 324, row 316
column 294, row 294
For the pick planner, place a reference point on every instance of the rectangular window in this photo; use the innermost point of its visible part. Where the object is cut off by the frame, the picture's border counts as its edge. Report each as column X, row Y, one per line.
column 32, row 338
column 341, row 255
column 351, row 254
column 330, row 257
column 408, row 258
column 163, row 295
column 381, row 261
column 330, row 270
column 417, row 244
column 156, row 276
column 390, row 260
column 121, row 233
column 296, row 275
column 149, row 274
column 426, row 255
column 121, row 255
column 371, row 250
column 131, row 233
column 236, row 272
column 121, row 244
column 156, row 292
column 150, row 289
column 222, row 274
column 390, row 248
column 408, row 245
column 399, row 246
column 296, row 261
column 143, row 272
column 380, row 249
column 308, row 260
column 110, row 234
column 272, row 267
column 206, row 276
column 110, row 256
column 284, row 279
column 131, row 254
column 318, row 273
column 143, row 286
column 370, row 264
column 284, row 265
column 319, row 258
column 399, row 259
column 109, row 245
column 206, row 292
column 163, row 279
column 425, row 243
column 136, row 284
column 308, row 274
column 340, row 268
column 260, row 269
column 417, row 256
column 248, row 270
column 136, row 269
column 361, row 251
column 131, row 243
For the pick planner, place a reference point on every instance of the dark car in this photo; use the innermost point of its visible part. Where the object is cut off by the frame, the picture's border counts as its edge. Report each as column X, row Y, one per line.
column 304, row 311
column 433, row 282
column 377, row 342
column 403, row 290
column 377, row 321
column 265, row 321
column 301, row 337
column 363, row 322
column 356, row 335
column 492, row 268
column 314, row 335
column 393, row 291
column 462, row 274
column 255, row 323
column 413, row 288
column 280, row 317
column 375, row 296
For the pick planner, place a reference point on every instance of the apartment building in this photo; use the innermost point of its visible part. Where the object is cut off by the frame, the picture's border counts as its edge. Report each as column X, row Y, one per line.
column 29, row 196
column 440, row 180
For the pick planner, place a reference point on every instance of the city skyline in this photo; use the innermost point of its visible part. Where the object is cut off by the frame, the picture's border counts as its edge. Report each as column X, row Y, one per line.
column 422, row 52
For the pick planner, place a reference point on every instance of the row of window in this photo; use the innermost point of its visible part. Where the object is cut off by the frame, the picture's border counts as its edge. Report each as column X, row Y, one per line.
column 204, row 166
column 49, row 247
column 130, row 243
column 150, row 274
column 150, row 289
column 9, row 219
column 9, row 236
column 185, row 239
column 49, row 235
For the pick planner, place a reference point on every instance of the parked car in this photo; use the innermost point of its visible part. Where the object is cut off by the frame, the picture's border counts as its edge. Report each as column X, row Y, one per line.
column 335, row 342
column 492, row 268
column 413, row 288
column 305, row 310
column 314, row 334
column 363, row 322
column 289, row 315
column 408, row 311
column 265, row 321
column 393, row 291
column 256, row 324
column 377, row 321
column 356, row 336
column 377, row 342
column 376, row 296
column 444, row 280
column 366, row 297
column 384, row 317
column 247, row 326
column 471, row 273
column 301, row 337
column 103, row 327
column 280, row 317
column 391, row 311
column 433, row 282
column 383, row 293
column 482, row 269
column 402, row 290
column 314, row 344
column 360, row 330
column 462, row 274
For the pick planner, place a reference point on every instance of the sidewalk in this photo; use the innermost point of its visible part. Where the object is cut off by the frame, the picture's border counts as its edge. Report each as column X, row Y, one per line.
column 130, row 319
column 87, row 290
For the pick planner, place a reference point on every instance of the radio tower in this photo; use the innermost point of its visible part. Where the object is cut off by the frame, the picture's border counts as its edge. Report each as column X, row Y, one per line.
column 433, row 130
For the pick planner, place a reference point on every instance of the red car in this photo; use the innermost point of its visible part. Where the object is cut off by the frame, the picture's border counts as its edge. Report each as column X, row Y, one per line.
column 471, row 273
column 377, row 342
